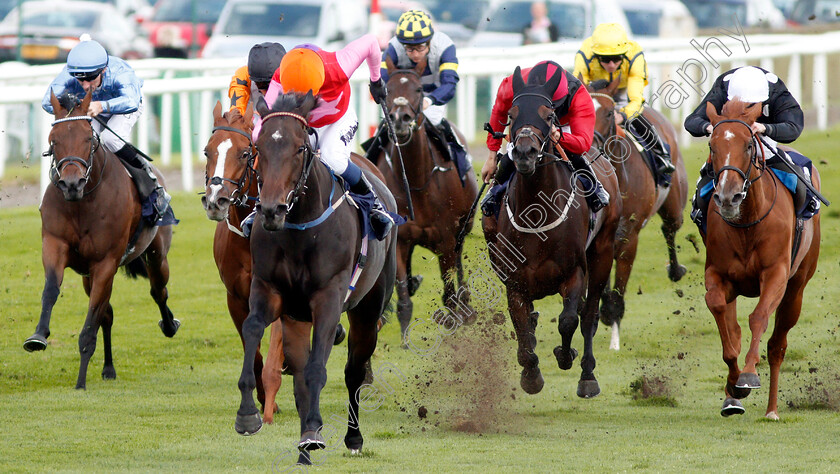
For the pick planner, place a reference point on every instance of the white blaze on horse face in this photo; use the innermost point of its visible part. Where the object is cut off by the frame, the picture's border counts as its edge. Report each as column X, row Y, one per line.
column 221, row 156
column 728, row 135
column 400, row 101
column 277, row 136
column 403, row 80
column 596, row 104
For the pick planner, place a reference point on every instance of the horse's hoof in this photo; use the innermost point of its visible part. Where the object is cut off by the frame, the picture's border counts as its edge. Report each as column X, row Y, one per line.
column 676, row 273
column 36, row 342
column 531, row 381
column 414, row 284
column 564, row 362
column 772, row 416
column 737, row 392
column 355, row 452
column 169, row 331
column 748, row 380
column 732, row 406
column 109, row 373
column 588, row 388
column 247, row 425
column 340, row 334
column 311, row 440
column 354, row 443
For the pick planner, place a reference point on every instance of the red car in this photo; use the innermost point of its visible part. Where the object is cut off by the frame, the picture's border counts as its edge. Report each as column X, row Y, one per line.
column 180, row 28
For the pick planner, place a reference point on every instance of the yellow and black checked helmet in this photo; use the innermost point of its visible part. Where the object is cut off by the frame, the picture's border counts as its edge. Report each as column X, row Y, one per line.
column 414, row 27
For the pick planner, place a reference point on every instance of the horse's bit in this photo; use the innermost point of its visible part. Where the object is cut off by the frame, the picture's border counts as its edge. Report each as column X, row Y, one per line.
column 238, row 197
column 57, row 168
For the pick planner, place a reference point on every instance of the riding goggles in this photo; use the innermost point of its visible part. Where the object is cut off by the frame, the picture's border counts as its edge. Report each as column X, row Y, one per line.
column 87, row 76
column 610, row 59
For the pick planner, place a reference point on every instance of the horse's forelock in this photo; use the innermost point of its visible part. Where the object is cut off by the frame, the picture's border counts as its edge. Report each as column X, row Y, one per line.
column 735, row 108
column 294, row 102
column 69, row 100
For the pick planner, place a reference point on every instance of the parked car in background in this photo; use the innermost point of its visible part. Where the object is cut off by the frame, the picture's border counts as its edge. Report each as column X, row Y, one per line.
column 575, row 20
column 722, row 13
column 458, row 19
column 180, row 28
column 126, row 7
column 806, row 12
column 658, row 18
column 51, row 28
column 330, row 24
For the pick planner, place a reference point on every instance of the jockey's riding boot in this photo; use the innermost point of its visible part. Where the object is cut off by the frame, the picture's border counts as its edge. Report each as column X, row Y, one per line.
column 457, row 150
column 144, row 178
column 700, row 202
column 505, row 170
column 596, row 196
column 380, row 220
column 654, row 142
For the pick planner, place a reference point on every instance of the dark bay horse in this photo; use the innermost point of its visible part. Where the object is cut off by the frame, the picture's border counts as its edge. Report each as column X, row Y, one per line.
column 542, row 256
column 441, row 203
column 305, row 244
column 230, row 195
column 642, row 198
column 753, row 250
column 91, row 223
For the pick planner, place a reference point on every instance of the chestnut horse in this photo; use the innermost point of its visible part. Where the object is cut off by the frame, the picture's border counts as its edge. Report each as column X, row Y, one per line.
column 561, row 255
column 441, row 204
column 642, row 198
column 91, row 222
column 305, row 244
column 753, row 249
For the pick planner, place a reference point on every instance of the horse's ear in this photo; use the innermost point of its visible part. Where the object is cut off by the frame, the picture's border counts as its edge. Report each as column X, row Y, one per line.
column 551, row 85
column 580, row 78
column 389, row 64
column 249, row 114
column 217, row 111
column 421, row 66
column 262, row 106
column 753, row 111
column 56, row 105
column 712, row 113
column 518, row 82
column 614, row 85
column 86, row 102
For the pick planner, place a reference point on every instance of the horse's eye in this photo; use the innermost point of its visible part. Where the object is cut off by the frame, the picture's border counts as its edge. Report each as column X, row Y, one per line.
column 301, row 149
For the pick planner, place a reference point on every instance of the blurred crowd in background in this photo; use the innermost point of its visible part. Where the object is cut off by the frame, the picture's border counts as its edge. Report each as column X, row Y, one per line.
column 43, row 31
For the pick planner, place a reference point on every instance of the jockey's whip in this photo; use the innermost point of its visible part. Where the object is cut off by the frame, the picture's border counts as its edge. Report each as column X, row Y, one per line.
column 807, row 182
column 393, row 135
column 105, row 125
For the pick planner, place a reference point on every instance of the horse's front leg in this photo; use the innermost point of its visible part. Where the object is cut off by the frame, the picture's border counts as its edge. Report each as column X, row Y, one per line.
column 772, row 287
column 54, row 259
column 108, row 371
column 572, row 292
column 450, row 269
column 158, row 268
column 725, row 313
column 101, row 284
column 599, row 260
column 265, row 305
column 405, row 307
column 612, row 309
column 525, row 325
column 326, row 311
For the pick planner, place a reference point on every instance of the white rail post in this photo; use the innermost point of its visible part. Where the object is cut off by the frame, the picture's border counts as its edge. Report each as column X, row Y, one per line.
column 45, row 124
column 205, row 121
column 186, row 140
column 166, row 123
column 820, row 90
column 4, row 141
column 794, row 79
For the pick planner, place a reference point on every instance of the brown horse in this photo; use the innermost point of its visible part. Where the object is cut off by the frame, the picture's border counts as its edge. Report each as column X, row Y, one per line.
column 557, row 253
column 230, row 195
column 91, row 223
column 441, row 203
column 641, row 197
column 753, row 249
column 306, row 249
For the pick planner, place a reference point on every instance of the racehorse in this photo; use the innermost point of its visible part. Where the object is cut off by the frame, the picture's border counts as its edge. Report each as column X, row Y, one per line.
column 559, row 253
column 641, row 196
column 305, row 243
column 91, row 222
column 441, row 204
column 230, row 194
column 755, row 247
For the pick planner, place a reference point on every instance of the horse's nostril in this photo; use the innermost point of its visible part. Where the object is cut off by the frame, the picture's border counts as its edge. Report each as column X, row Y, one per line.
column 62, row 185
column 716, row 198
column 736, row 199
column 406, row 118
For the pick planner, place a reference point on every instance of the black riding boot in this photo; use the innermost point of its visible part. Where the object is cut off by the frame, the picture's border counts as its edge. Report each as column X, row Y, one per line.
column 504, row 171
column 596, row 197
column 457, row 150
column 653, row 141
column 373, row 146
column 700, row 202
column 380, row 220
column 144, row 178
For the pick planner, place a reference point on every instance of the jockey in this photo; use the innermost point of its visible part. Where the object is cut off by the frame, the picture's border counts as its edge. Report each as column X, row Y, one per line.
column 781, row 119
column 608, row 54
column 263, row 60
column 576, row 115
column 416, row 40
column 327, row 74
column 117, row 98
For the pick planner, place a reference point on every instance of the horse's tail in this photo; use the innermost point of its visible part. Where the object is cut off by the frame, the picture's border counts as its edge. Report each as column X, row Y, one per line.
column 390, row 309
column 136, row 267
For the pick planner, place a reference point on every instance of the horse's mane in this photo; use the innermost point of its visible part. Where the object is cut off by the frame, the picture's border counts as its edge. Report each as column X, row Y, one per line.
column 69, row 100
column 294, row 102
column 735, row 108
column 598, row 85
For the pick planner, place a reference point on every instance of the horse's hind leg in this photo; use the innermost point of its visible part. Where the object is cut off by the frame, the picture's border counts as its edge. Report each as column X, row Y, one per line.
column 525, row 325
column 158, row 268
column 404, row 305
column 572, row 291
column 55, row 260
column 101, row 284
column 600, row 263
column 450, row 269
column 108, row 371
column 271, row 375
column 672, row 219
column 612, row 307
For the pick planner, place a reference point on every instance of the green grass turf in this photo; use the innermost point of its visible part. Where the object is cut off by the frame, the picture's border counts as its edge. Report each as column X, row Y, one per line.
column 173, row 404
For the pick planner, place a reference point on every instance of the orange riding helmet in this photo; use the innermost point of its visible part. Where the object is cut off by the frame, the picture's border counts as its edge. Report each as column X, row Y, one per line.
column 301, row 70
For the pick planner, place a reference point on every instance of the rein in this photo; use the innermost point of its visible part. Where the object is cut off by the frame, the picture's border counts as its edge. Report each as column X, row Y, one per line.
column 309, row 155
column 57, row 167
column 238, row 197
column 755, row 144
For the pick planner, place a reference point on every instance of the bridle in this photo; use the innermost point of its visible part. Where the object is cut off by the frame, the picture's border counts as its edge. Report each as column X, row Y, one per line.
column 308, row 155
column 600, row 138
column 527, row 131
column 753, row 147
column 403, row 102
column 239, row 196
column 57, row 167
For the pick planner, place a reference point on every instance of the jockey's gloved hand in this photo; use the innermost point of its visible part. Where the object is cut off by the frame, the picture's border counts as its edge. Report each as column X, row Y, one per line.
column 378, row 91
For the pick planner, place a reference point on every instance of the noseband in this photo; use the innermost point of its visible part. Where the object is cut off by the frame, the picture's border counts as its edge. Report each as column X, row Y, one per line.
column 239, row 196
column 57, row 167
column 308, row 156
